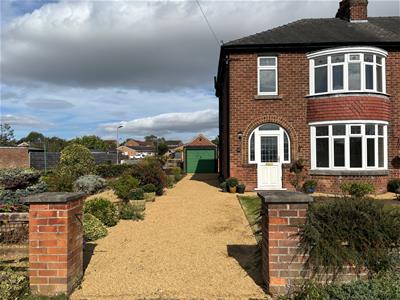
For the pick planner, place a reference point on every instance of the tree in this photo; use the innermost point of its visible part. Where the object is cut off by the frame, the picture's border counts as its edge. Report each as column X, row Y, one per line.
column 56, row 144
column 6, row 135
column 91, row 142
column 150, row 138
column 33, row 137
column 162, row 147
column 216, row 140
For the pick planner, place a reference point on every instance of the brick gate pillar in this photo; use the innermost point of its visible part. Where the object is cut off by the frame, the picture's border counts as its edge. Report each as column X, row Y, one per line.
column 55, row 242
column 282, row 212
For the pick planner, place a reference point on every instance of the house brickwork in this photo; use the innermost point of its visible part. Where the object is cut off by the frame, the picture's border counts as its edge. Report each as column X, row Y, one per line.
column 14, row 157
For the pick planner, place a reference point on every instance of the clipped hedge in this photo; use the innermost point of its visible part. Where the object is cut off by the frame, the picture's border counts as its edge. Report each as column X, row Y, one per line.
column 103, row 209
column 93, row 228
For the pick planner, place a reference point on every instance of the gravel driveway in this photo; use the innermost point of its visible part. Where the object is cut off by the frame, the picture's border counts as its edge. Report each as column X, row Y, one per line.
column 191, row 245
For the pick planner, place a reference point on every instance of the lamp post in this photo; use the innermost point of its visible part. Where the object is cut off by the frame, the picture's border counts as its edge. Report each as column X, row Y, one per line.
column 120, row 126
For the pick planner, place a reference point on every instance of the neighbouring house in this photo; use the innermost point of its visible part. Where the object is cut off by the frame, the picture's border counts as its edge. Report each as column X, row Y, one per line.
column 173, row 144
column 326, row 91
column 200, row 156
column 127, row 151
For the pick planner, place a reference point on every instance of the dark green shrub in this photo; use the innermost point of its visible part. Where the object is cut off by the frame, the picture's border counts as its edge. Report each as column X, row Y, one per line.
column 393, row 185
column 241, row 188
column 149, row 170
column 58, row 182
column 232, row 182
column 309, row 186
column 149, row 188
column 124, row 185
column 13, row 285
column 14, row 197
column 93, row 228
column 18, row 178
column 102, row 209
column 159, row 190
column 89, row 184
column 223, row 186
column 75, row 161
column 127, row 212
column 170, row 181
column 350, row 231
column 111, row 171
column 136, row 194
column 178, row 177
column 357, row 189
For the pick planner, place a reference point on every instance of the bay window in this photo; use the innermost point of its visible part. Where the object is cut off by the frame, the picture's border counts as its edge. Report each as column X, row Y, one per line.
column 349, row 145
column 349, row 69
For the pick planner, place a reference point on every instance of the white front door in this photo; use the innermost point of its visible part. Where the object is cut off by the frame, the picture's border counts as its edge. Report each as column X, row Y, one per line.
column 269, row 166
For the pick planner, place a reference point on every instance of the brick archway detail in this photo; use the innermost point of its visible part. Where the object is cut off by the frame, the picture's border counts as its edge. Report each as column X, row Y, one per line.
column 294, row 142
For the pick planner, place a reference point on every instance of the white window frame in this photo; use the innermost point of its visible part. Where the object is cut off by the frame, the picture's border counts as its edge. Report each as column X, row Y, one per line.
column 275, row 68
column 347, row 136
column 257, row 133
column 347, row 51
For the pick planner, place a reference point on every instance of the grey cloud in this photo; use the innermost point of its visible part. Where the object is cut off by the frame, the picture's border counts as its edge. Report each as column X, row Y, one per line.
column 24, row 121
column 146, row 45
column 49, row 104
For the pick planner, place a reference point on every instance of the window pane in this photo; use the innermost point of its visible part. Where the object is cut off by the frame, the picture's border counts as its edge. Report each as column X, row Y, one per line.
column 369, row 77
column 370, row 129
column 269, row 127
column 355, row 152
column 355, row 129
column 354, row 76
column 321, row 60
column 368, row 57
column 338, row 148
column 267, row 61
column 337, row 58
column 380, row 129
column 285, row 147
column 252, row 148
column 321, row 80
column 379, row 60
column 267, row 81
column 337, row 81
column 322, row 152
column 269, row 148
column 355, row 57
column 379, row 78
column 371, row 152
column 322, row 130
column 339, row 129
column 381, row 154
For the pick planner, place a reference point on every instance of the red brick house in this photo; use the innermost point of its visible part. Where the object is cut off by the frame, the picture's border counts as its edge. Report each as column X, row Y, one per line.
column 326, row 91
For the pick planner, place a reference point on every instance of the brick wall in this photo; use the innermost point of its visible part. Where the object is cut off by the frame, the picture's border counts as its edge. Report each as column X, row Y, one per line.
column 55, row 243
column 14, row 157
column 241, row 112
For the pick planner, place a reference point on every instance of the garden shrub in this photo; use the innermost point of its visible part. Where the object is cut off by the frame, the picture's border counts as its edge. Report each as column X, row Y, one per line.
column 127, row 212
column 170, row 181
column 111, row 171
column 89, row 184
column 381, row 286
column 357, row 189
column 159, row 190
column 393, row 185
column 223, row 186
column 75, row 161
column 350, row 231
column 58, row 182
column 18, row 178
column 232, row 182
column 93, row 228
column 124, row 185
column 13, row 285
column 176, row 172
column 136, row 194
column 149, row 170
column 103, row 209
column 149, row 188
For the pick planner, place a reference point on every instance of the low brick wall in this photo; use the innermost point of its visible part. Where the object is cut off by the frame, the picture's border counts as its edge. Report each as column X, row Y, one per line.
column 14, row 234
column 55, row 242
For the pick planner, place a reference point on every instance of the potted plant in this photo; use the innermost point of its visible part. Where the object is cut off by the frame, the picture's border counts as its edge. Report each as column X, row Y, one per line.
column 232, row 183
column 223, row 186
column 310, row 186
column 241, row 188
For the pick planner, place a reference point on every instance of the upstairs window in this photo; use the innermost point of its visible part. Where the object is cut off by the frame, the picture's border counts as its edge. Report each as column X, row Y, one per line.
column 267, row 82
column 347, row 70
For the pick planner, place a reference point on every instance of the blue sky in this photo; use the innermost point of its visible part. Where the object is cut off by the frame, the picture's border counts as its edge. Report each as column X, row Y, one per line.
column 71, row 68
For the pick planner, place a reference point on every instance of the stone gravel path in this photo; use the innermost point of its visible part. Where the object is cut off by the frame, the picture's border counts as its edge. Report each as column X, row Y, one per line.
column 194, row 243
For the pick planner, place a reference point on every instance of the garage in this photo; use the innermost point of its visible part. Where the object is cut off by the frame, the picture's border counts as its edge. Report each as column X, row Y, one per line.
column 200, row 156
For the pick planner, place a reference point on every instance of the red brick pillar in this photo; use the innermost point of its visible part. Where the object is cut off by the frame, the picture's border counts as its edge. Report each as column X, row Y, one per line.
column 55, row 242
column 282, row 212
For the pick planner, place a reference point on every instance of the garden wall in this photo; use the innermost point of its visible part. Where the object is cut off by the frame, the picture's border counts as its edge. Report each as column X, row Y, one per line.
column 14, row 157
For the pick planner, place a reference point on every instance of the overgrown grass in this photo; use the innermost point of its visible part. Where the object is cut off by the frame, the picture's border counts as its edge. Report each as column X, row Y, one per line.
column 251, row 206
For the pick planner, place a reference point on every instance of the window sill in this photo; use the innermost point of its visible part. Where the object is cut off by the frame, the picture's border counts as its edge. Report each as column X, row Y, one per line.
column 345, row 94
column 350, row 172
column 268, row 97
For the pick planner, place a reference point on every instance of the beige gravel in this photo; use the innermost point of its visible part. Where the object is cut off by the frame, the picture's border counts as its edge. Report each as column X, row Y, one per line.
column 180, row 250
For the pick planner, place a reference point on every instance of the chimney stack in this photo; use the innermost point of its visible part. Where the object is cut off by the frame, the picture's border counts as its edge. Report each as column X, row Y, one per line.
column 353, row 10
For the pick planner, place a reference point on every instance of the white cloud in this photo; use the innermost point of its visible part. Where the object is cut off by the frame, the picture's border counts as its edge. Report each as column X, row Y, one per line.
column 188, row 122
column 25, row 121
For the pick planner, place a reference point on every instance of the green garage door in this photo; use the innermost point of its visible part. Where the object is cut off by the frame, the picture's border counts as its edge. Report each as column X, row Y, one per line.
column 200, row 161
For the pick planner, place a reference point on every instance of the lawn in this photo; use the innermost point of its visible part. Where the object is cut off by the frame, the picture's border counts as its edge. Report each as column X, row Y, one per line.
column 251, row 206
